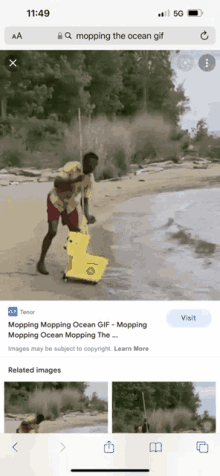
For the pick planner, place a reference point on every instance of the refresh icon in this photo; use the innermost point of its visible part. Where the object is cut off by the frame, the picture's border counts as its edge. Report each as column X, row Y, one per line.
column 204, row 35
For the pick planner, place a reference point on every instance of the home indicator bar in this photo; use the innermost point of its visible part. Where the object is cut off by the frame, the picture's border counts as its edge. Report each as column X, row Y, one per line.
column 110, row 470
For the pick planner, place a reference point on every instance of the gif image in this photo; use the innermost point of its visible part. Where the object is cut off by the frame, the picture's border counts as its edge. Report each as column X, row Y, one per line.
column 56, row 407
column 109, row 175
column 164, row 407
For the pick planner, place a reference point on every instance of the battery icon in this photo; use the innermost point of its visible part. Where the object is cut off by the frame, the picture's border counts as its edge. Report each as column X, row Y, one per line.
column 194, row 13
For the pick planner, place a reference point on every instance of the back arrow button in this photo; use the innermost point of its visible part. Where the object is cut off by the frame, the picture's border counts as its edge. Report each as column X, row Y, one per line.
column 15, row 448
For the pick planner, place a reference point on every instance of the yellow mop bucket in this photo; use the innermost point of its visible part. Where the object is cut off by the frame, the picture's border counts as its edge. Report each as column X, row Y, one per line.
column 82, row 265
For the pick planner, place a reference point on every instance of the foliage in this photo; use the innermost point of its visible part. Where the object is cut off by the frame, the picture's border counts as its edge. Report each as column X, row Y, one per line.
column 96, row 404
column 106, row 84
column 160, row 420
column 201, row 131
column 103, row 82
column 11, row 156
column 157, row 395
column 149, row 85
column 106, row 173
column 50, row 398
column 4, row 126
column 38, row 131
column 170, row 407
column 116, row 154
column 128, row 99
column 51, row 402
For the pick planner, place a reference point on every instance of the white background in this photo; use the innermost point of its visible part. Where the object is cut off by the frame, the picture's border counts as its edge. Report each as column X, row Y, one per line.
column 116, row 13
column 162, row 339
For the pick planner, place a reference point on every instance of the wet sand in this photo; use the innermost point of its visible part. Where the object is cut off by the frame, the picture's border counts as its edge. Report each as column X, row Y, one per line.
column 67, row 424
column 24, row 225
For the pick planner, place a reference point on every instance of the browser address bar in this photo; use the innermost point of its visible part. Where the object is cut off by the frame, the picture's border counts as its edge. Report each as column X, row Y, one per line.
column 60, row 36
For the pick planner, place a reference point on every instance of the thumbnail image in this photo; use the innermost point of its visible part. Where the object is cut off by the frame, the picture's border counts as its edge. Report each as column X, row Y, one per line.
column 164, row 407
column 119, row 150
column 56, row 407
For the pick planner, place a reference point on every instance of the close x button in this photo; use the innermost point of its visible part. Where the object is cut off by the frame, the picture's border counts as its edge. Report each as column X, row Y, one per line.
column 12, row 62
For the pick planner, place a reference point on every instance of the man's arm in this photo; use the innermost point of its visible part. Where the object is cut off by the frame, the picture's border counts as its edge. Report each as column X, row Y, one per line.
column 78, row 179
column 90, row 218
column 66, row 221
column 59, row 181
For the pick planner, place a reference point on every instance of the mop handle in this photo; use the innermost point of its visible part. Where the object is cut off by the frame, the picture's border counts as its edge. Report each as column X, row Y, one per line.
column 144, row 405
column 81, row 158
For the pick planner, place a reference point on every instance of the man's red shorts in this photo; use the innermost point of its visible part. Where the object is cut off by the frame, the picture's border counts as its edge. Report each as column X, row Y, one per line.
column 53, row 214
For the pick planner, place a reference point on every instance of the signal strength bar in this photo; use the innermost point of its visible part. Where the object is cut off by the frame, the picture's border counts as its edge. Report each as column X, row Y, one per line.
column 164, row 14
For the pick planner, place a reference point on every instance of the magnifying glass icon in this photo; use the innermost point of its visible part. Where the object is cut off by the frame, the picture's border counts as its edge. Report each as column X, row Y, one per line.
column 68, row 35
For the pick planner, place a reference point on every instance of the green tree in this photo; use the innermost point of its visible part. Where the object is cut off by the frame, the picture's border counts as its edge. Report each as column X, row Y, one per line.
column 128, row 395
column 47, row 82
column 175, row 104
column 29, row 89
column 31, row 386
column 5, row 89
column 201, row 131
column 149, row 85
column 130, row 93
column 69, row 80
column 105, row 70
column 164, row 395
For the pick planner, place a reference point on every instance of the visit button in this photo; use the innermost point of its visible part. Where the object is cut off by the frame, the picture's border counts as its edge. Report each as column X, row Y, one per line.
column 189, row 318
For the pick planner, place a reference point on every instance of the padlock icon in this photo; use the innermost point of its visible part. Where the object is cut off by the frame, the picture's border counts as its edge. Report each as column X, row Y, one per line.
column 60, row 36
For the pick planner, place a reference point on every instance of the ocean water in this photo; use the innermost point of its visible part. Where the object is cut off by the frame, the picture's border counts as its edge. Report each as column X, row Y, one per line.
column 196, row 211
column 167, row 247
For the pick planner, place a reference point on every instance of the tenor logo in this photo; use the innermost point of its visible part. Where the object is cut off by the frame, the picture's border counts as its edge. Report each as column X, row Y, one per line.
column 12, row 311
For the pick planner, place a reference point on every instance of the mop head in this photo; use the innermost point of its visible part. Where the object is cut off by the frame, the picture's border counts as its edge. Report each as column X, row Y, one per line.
column 82, row 265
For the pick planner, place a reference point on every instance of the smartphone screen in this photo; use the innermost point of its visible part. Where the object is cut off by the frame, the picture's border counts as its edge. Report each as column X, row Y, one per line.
column 110, row 218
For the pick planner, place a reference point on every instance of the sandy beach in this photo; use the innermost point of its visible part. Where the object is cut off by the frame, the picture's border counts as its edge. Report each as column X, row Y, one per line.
column 24, row 225
column 71, row 422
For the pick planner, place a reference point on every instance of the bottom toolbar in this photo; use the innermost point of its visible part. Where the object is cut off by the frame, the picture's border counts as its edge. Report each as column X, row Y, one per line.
column 171, row 455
